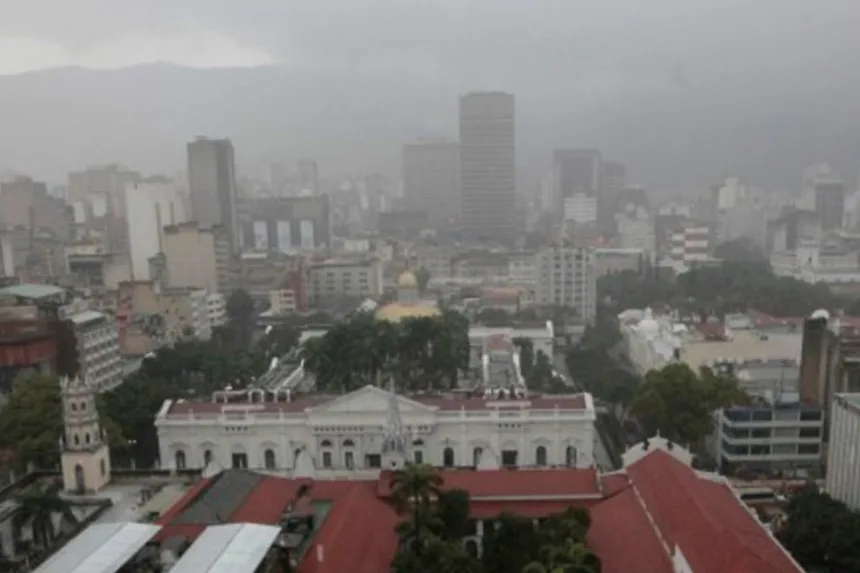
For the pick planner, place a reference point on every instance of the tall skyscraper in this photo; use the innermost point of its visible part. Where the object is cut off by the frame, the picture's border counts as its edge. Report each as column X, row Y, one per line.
column 431, row 178
column 830, row 203
column 308, row 176
column 488, row 165
column 612, row 184
column 212, row 186
column 578, row 171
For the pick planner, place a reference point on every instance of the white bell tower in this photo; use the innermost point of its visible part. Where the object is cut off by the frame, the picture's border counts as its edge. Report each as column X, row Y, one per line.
column 85, row 456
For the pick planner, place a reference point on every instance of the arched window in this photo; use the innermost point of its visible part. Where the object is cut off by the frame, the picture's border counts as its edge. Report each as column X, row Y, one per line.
column 348, row 444
column 269, row 459
column 103, row 467
column 87, row 438
column 74, row 407
column 476, row 456
column 418, row 456
column 540, row 456
column 325, row 444
column 448, row 457
column 207, row 457
column 180, row 459
column 570, row 456
column 77, row 440
column 83, row 406
column 418, row 442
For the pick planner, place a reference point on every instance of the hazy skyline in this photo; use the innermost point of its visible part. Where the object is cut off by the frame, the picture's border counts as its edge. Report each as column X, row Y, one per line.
column 707, row 88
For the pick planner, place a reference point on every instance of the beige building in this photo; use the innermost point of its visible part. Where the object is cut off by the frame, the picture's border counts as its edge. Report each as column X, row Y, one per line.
column 85, row 458
column 282, row 301
column 186, row 313
column 190, row 257
column 26, row 203
column 339, row 278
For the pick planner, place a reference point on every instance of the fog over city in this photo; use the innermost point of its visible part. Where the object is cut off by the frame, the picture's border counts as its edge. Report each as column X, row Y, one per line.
column 685, row 92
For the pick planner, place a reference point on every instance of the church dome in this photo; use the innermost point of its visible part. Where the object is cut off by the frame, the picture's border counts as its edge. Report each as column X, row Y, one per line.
column 407, row 279
column 396, row 311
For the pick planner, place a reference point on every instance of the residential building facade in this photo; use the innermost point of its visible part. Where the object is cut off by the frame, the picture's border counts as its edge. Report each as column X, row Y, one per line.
column 339, row 278
column 150, row 206
column 190, row 257
column 98, row 349
column 566, row 277
column 843, row 459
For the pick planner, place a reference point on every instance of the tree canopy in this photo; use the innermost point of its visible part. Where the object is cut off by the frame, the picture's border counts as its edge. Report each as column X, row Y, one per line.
column 822, row 534
column 679, row 403
column 597, row 365
column 739, row 283
column 426, row 352
column 31, row 421
column 435, row 523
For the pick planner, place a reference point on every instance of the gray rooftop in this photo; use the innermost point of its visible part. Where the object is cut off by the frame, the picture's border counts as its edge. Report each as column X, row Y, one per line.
column 100, row 548
column 238, row 548
column 33, row 291
column 224, row 496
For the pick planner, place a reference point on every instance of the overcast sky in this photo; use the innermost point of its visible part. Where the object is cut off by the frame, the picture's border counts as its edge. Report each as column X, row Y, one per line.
column 598, row 43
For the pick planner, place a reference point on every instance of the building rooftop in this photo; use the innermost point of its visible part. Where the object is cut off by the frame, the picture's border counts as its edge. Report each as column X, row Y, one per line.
column 33, row 291
column 372, row 398
column 101, row 548
column 643, row 517
column 743, row 346
column 86, row 317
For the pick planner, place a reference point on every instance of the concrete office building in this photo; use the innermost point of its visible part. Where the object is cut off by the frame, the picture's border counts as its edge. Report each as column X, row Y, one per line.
column 149, row 208
column 431, row 178
column 190, row 257
column 488, row 165
column 830, row 203
column 566, row 277
column 843, row 461
column 287, row 224
column 212, row 186
column 339, row 278
column 577, row 171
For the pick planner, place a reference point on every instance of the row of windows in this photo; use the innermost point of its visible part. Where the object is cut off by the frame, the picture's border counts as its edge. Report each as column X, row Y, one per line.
column 509, row 457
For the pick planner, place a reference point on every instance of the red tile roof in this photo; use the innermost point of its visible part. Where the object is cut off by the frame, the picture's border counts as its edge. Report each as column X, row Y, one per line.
column 550, row 484
column 713, row 529
column 623, row 538
column 639, row 516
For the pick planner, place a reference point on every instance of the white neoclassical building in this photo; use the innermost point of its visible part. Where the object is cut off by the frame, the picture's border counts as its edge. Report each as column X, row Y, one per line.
column 652, row 342
column 346, row 435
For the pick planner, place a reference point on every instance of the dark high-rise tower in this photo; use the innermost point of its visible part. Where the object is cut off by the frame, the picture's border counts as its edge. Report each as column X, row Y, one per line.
column 488, row 165
column 212, row 185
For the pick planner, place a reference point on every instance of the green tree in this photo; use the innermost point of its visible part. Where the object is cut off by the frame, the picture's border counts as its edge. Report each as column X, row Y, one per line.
column 568, row 557
column 527, row 354
column 822, row 534
column 422, row 275
column 31, row 422
column 510, row 544
column 452, row 509
column 241, row 316
column 741, row 250
column 679, row 403
column 37, row 507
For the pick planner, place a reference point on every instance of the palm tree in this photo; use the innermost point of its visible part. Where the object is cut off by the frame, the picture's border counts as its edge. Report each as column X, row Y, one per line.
column 571, row 557
column 414, row 490
column 37, row 507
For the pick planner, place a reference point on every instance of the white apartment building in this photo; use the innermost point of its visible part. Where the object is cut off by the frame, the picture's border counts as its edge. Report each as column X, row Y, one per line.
column 580, row 208
column 636, row 229
column 814, row 263
column 216, row 306
column 343, row 435
column 338, row 278
column 843, row 450
column 566, row 277
column 98, row 348
column 149, row 208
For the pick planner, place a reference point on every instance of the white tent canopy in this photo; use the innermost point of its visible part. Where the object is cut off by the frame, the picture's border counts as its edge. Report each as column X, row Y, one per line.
column 238, row 548
column 100, row 548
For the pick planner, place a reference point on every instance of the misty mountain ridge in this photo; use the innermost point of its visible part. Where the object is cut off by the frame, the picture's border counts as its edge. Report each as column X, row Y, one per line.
column 678, row 136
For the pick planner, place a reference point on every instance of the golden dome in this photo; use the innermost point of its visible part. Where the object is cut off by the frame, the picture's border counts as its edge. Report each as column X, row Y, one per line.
column 397, row 311
column 407, row 279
